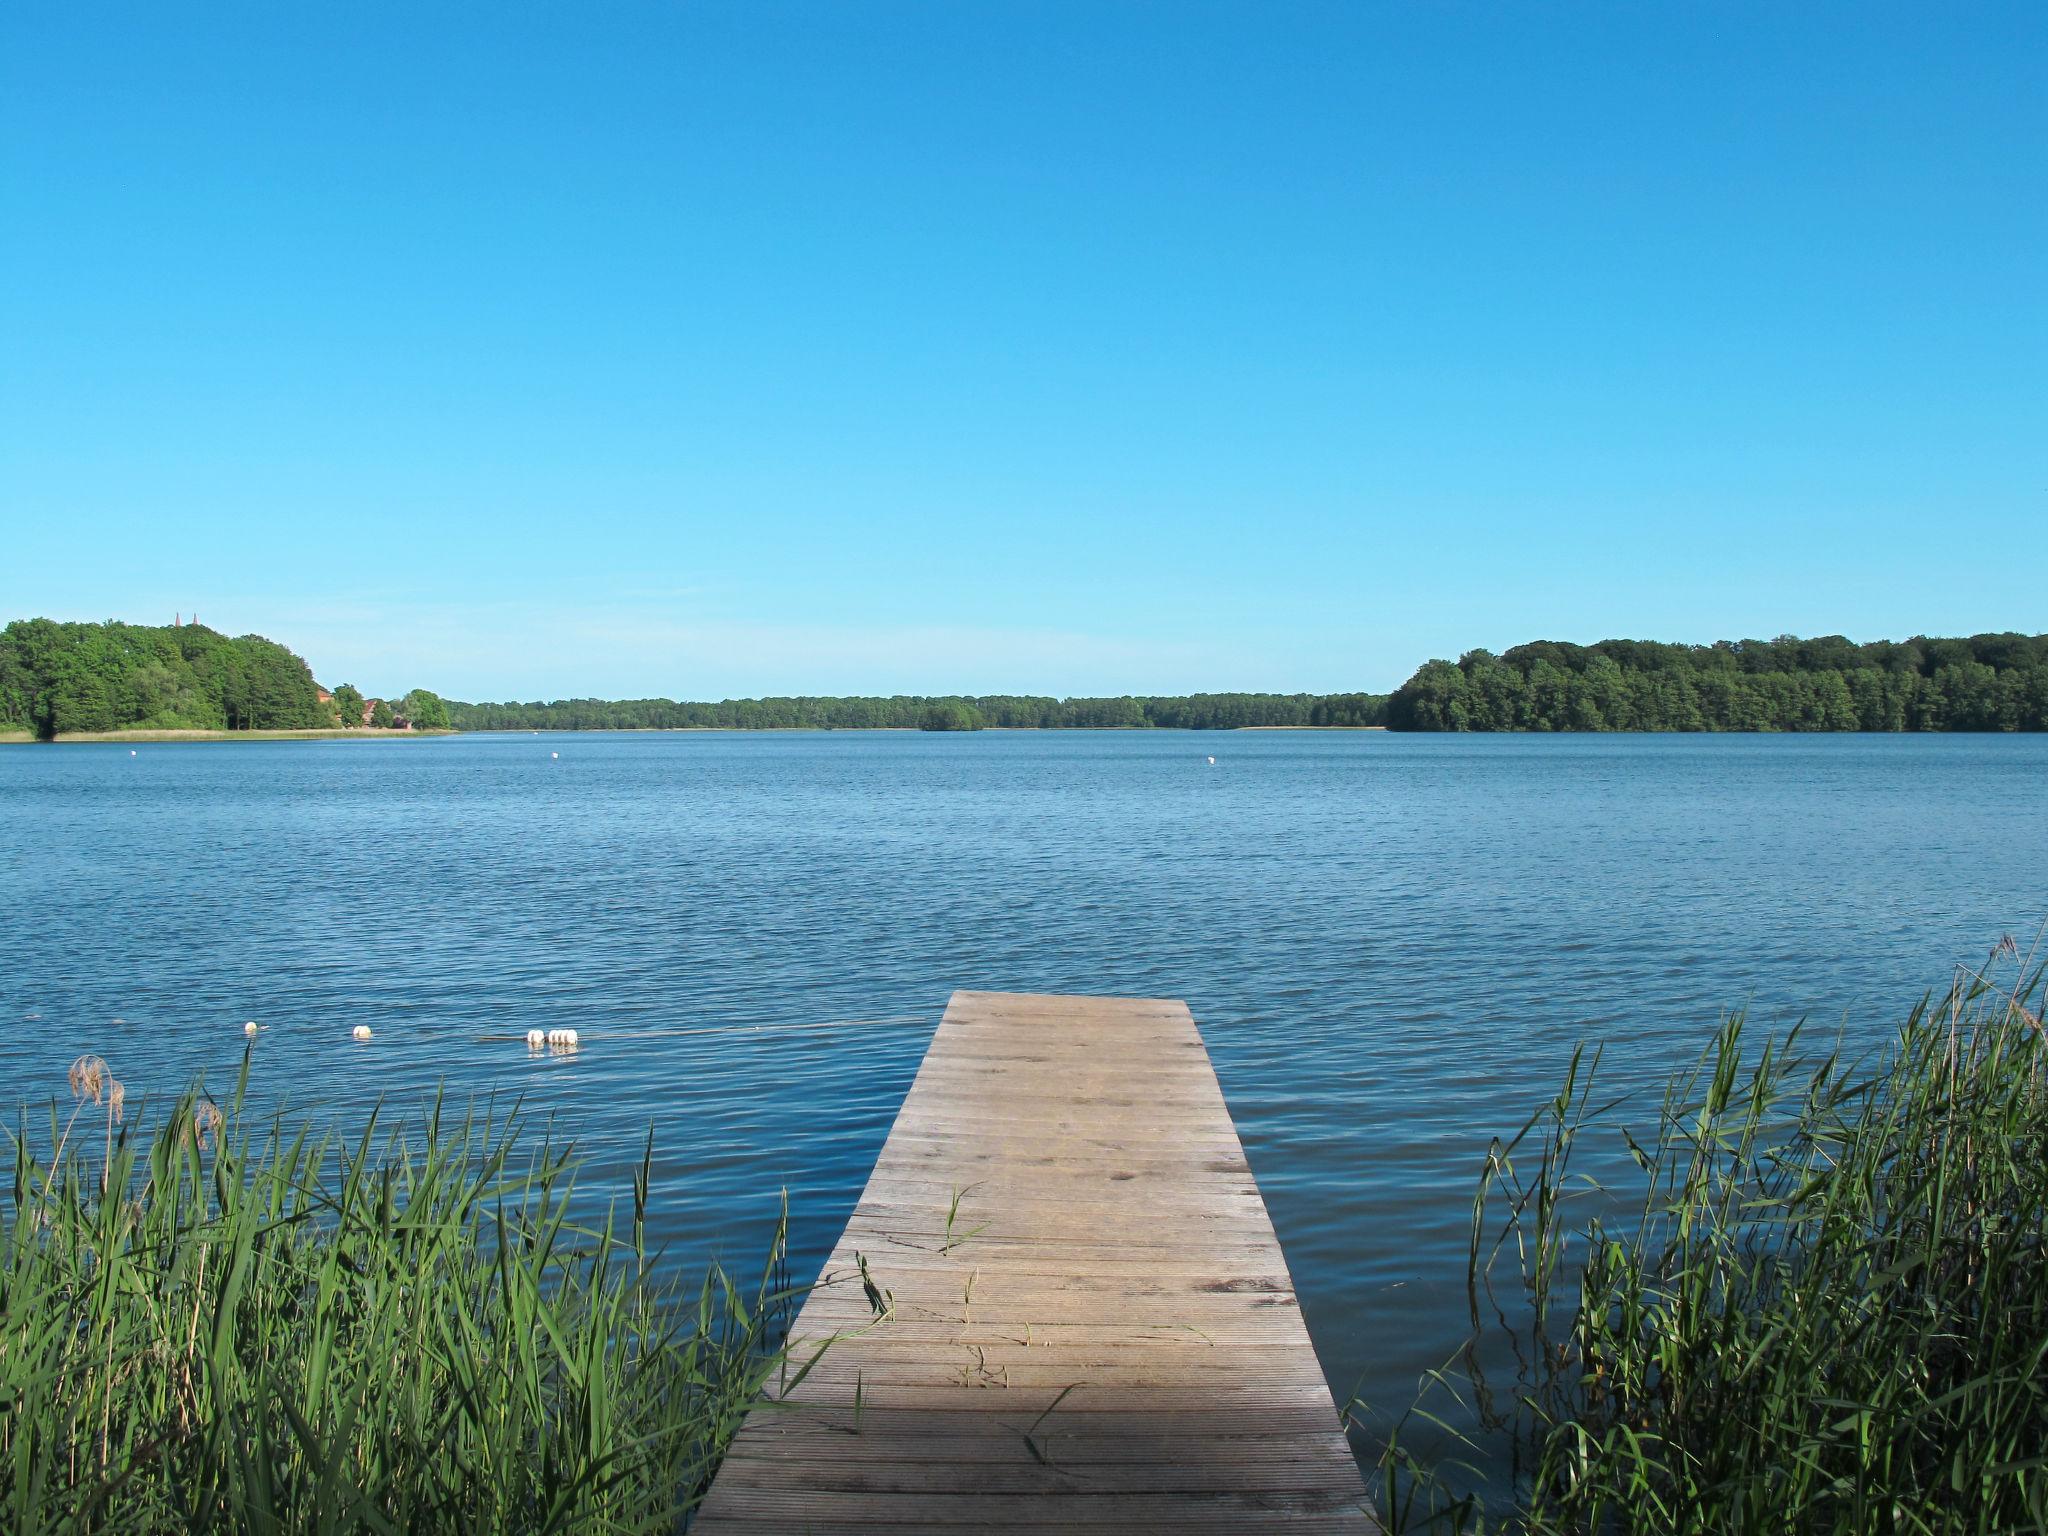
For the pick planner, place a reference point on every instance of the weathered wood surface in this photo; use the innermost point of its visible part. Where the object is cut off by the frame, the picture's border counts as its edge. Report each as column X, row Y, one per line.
column 1101, row 1337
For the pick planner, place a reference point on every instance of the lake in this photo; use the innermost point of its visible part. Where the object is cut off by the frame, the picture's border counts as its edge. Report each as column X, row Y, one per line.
column 1391, row 943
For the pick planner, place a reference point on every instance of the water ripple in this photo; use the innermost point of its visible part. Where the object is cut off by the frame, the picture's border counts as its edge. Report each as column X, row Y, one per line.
column 1392, row 943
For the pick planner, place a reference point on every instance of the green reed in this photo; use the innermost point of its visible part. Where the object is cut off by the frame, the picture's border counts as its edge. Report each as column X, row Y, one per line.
column 221, row 1326
column 1827, row 1313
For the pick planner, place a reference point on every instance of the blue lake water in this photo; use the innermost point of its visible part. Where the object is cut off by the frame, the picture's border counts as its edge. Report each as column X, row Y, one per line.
column 1391, row 942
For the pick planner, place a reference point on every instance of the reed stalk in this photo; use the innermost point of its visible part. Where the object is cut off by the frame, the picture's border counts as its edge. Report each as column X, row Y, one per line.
column 1825, row 1310
column 222, row 1326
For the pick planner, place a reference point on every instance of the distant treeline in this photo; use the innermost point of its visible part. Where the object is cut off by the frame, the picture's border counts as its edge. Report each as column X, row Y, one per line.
column 63, row 678
column 1200, row 711
column 1984, row 683
column 60, row 678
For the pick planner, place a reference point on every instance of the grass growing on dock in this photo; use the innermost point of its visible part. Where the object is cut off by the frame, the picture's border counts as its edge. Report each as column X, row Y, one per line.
column 227, row 1327
column 1829, row 1312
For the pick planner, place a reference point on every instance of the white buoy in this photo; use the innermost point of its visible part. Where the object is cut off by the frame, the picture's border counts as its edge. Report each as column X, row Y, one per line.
column 535, row 1038
column 1212, row 762
column 361, row 1032
column 131, row 751
column 554, row 754
column 249, row 1028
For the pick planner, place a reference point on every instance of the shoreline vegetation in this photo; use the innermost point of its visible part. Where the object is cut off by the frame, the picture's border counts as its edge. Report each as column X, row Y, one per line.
column 1821, row 1302
column 233, row 1326
column 129, row 682
column 101, row 681
column 1991, row 682
column 327, row 733
column 919, row 712
column 21, row 738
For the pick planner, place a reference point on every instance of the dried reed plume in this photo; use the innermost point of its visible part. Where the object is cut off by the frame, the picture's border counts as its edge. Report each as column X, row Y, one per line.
column 92, row 1082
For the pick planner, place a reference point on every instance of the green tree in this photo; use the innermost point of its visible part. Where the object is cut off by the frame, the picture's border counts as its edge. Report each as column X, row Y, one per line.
column 1834, row 706
column 1603, row 696
column 1499, row 693
column 1549, row 695
column 83, row 700
column 348, row 706
column 425, row 710
column 951, row 715
column 1431, row 700
column 381, row 716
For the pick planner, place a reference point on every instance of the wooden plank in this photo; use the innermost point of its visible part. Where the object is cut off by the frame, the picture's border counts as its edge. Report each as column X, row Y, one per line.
column 1087, row 1323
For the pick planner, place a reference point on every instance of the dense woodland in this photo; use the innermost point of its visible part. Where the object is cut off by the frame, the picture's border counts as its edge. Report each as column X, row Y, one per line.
column 1984, row 683
column 1201, row 711
column 63, row 678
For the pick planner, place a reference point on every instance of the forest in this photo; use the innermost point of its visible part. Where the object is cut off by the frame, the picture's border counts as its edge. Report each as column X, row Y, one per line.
column 1200, row 711
column 1984, row 683
column 59, row 679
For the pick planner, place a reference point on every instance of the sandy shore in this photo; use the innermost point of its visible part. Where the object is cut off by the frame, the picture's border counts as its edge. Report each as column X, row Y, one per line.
column 163, row 736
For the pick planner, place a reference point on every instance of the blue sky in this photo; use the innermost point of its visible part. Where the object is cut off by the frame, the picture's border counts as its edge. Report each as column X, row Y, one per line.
column 721, row 349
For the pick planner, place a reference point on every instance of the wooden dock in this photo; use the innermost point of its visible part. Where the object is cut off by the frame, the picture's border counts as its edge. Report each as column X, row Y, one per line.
column 1075, row 1315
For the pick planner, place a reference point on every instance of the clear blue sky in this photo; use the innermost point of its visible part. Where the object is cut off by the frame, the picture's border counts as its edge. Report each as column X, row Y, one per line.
column 729, row 348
